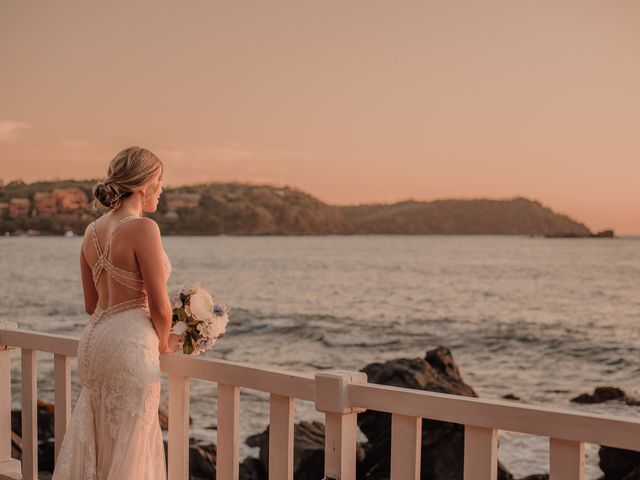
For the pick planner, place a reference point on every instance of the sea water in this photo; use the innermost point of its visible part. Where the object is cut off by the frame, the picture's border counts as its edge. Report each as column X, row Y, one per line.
column 543, row 319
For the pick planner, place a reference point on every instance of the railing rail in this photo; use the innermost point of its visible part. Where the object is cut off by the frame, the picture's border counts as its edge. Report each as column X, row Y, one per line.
column 340, row 395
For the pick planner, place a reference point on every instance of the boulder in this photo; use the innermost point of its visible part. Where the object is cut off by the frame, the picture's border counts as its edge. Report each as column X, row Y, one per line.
column 442, row 442
column 308, row 450
column 46, row 429
column 511, row 396
column 604, row 394
column 202, row 460
column 633, row 475
column 252, row 469
column 619, row 464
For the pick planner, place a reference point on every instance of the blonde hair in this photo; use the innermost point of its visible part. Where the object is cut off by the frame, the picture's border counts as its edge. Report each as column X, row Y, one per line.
column 130, row 169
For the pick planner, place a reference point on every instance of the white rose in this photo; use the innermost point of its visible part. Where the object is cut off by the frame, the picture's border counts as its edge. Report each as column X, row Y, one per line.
column 179, row 328
column 187, row 310
column 219, row 326
column 201, row 305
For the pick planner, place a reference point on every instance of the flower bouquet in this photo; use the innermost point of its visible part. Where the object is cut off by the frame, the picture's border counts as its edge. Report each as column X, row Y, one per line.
column 198, row 318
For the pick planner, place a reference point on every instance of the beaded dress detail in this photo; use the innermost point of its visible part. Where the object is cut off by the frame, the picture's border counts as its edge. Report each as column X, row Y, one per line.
column 114, row 433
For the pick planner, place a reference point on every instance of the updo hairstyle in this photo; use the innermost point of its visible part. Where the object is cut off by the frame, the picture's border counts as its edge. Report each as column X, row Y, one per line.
column 130, row 169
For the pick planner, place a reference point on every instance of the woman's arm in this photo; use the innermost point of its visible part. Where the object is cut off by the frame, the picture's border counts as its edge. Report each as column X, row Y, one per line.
column 88, row 287
column 150, row 256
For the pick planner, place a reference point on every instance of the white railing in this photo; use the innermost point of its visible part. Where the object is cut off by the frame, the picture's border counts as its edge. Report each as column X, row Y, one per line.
column 340, row 395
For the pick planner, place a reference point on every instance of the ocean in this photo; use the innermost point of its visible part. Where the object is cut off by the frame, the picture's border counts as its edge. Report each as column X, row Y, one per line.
column 543, row 319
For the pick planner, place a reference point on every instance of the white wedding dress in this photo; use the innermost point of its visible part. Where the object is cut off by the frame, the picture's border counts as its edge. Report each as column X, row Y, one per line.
column 114, row 433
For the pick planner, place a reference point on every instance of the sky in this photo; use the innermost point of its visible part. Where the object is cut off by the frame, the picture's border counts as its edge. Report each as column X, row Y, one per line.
column 350, row 101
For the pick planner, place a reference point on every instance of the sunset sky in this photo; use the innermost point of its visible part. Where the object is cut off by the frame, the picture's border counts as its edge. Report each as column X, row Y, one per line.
column 351, row 101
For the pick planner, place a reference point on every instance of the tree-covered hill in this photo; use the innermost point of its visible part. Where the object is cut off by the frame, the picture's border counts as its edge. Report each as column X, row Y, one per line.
column 248, row 209
column 518, row 216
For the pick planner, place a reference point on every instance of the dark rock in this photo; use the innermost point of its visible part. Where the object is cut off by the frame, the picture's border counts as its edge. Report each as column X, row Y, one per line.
column 604, row 234
column 442, row 442
column 308, row 450
column 511, row 396
column 605, row 394
column 202, row 460
column 633, row 475
column 252, row 469
column 619, row 464
column 503, row 473
column 46, row 434
column 46, row 429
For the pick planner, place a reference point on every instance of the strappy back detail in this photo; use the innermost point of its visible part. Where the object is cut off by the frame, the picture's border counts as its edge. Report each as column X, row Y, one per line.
column 126, row 278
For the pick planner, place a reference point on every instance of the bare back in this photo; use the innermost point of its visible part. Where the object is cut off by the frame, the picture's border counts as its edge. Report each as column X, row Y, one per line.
column 108, row 248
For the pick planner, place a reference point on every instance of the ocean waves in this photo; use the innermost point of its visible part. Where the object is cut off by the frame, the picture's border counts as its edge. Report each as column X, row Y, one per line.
column 542, row 319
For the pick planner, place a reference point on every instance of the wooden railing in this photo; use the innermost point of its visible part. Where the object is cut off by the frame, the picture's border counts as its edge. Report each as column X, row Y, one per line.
column 340, row 395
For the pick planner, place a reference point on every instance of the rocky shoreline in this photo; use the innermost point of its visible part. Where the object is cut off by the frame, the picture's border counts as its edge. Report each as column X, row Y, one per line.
column 442, row 442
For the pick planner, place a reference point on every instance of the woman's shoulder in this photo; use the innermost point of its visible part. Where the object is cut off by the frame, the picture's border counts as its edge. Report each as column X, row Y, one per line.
column 144, row 228
column 144, row 224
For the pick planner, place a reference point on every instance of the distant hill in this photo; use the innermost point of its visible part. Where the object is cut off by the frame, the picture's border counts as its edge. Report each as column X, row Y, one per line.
column 244, row 209
column 247, row 209
column 518, row 216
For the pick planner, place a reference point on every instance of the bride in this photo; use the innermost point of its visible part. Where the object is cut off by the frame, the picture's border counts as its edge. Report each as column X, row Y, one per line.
column 114, row 433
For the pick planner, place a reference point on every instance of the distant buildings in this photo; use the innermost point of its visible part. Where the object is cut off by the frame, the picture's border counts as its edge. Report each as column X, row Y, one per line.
column 70, row 199
column 60, row 200
column 45, row 203
column 19, row 207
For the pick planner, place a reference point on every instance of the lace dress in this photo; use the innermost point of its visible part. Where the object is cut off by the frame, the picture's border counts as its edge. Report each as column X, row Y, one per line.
column 114, row 433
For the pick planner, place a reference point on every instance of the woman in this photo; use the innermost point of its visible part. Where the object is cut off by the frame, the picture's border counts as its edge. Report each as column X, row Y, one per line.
column 114, row 432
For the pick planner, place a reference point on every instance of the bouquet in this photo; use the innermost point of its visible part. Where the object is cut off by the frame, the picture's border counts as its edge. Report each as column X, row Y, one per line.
column 198, row 317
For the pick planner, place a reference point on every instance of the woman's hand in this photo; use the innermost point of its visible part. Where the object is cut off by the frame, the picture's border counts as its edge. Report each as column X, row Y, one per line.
column 173, row 344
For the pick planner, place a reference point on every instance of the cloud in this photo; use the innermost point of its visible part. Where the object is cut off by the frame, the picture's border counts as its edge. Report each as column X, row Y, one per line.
column 11, row 131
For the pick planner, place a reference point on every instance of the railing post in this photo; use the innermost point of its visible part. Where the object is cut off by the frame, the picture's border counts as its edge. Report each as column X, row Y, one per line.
column 62, row 406
column 566, row 459
column 228, row 420
column 406, row 447
column 341, row 422
column 178, row 448
column 281, row 410
column 29, row 414
column 480, row 453
column 8, row 465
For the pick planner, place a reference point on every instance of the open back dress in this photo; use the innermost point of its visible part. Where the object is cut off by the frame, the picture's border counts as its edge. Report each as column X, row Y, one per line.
column 114, row 433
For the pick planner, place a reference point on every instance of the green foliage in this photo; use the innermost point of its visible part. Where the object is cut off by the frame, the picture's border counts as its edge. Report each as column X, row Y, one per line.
column 246, row 209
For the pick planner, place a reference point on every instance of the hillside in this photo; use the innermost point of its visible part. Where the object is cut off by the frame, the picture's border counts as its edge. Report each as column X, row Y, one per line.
column 242, row 209
column 247, row 209
column 518, row 216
